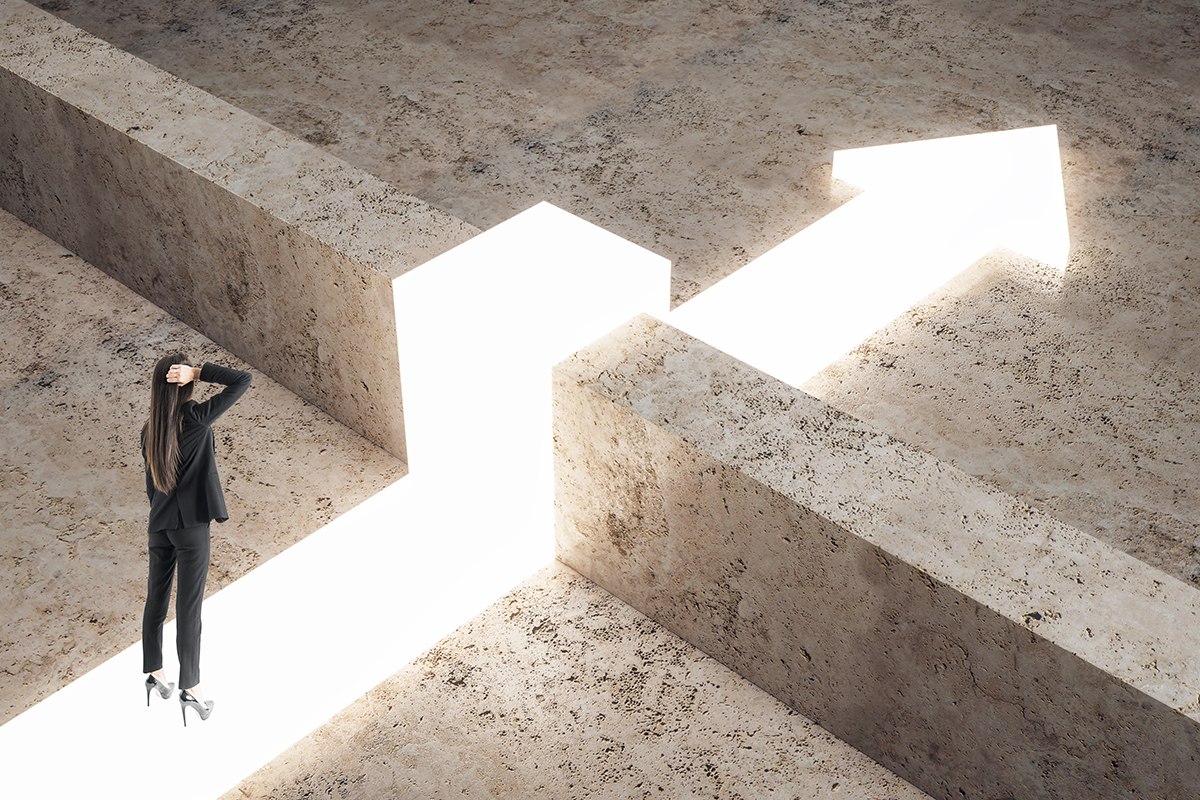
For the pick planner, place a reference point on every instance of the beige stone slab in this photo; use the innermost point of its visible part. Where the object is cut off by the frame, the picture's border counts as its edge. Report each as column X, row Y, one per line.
column 273, row 248
column 559, row 690
column 700, row 132
column 952, row 632
column 74, row 382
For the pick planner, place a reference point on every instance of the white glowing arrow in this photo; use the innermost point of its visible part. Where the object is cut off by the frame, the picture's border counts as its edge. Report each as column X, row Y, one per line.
column 479, row 328
column 931, row 209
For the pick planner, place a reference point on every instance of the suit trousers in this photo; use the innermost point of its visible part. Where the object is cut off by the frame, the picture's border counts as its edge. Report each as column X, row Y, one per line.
column 187, row 549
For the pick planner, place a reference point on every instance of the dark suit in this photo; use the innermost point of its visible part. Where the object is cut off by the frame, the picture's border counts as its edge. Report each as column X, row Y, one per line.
column 197, row 497
column 178, row 528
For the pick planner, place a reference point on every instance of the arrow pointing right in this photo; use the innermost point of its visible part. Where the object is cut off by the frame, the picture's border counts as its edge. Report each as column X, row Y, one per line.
column 930, row 210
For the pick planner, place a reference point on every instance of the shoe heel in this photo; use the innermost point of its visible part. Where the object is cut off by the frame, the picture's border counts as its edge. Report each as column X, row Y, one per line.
column 148, row 688
column 203, row 710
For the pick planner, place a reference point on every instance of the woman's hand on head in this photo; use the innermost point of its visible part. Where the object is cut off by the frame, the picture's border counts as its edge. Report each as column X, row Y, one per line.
column 182, row 373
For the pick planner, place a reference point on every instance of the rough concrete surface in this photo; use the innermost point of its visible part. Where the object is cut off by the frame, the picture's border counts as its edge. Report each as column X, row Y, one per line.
column 975, row 645
column 701, row 132
column 559, row 690
column 705, row 133
column 1095, row 420
column 74, row 381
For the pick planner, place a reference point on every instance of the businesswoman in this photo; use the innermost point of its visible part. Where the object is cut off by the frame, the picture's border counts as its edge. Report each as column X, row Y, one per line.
column 185, row 496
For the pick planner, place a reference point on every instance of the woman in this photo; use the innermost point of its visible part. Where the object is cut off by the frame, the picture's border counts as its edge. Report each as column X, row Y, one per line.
column 185, row 496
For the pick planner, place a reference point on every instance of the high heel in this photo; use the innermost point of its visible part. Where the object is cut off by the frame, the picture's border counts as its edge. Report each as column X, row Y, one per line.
column 153, row 684
column 187, row 701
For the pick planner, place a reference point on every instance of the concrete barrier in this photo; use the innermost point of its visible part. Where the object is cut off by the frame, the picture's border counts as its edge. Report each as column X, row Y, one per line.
column 272, row 248
column 970, row 643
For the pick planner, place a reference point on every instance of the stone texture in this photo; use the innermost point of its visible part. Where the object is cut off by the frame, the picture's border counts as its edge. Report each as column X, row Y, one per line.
column 705, row 133
column 975, row 645
column 269, row 246
column 559, row 690
column 74, row 372
column 1098, row 429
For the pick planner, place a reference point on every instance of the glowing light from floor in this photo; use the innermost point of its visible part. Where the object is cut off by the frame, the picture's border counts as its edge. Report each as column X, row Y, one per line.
column 930, row 209
column 310, row 631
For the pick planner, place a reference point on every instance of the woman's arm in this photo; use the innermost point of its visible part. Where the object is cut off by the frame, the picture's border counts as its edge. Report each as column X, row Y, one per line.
column 182, row 373
column 236, row 383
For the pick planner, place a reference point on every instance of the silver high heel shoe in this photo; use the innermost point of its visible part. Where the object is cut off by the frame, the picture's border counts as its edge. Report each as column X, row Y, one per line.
column 187, row 701
column 153, row 684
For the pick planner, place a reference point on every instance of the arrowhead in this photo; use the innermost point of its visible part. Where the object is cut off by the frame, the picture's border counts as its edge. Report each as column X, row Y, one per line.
column 999, row 189
column 930, row 210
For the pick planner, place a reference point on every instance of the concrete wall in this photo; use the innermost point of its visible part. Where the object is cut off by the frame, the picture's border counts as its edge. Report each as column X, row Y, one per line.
column 974, row 645
column 273, row 249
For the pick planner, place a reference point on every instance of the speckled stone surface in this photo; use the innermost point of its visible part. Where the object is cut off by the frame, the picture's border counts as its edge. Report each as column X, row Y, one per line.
column 705, row 132
column 975, row 645
column 271, row 247
column 559, row 690
column 74, row 383
column 702, row 132
column 1095, row 420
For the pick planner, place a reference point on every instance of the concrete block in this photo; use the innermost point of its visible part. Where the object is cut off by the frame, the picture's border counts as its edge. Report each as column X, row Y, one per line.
column 275, row 250
column 974, row 645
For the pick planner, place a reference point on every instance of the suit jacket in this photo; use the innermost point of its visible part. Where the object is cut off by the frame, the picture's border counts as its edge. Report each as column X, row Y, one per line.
column 197, row 497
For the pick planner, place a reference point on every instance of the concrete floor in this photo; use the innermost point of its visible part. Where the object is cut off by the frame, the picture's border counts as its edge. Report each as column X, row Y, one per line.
column 559, row 690
column 706, row 135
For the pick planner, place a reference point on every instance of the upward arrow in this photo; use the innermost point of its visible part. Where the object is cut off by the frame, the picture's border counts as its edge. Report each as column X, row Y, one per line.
column 479, row 328
column 930, row 210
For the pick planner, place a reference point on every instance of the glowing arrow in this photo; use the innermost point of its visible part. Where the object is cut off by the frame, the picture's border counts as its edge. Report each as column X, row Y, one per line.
column 931, row 209
column 479, row 328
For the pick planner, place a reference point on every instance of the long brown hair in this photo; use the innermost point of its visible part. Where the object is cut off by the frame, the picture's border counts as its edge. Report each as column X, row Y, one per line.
column 160, row 435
